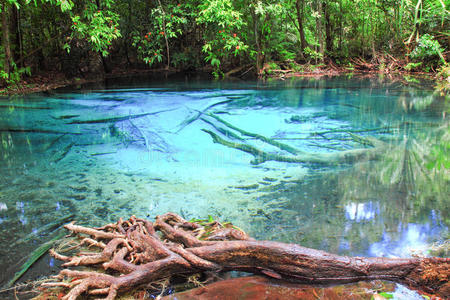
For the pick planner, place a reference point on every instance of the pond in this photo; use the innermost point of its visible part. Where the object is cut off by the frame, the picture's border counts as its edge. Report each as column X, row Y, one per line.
column 354, row 166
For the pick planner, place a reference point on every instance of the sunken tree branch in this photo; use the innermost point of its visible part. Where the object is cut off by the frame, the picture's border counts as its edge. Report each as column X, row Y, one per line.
column 261, row 156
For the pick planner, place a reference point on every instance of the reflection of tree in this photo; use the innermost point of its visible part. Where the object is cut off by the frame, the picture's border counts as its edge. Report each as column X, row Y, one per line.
column 414, row 167
column 408, row 184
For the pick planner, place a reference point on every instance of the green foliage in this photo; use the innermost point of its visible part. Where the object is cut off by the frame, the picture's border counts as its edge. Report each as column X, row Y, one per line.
column 222, row 40
column 384, row 295
column 98, row 27
column 227, row 33
column 270, row 66
column 15, row 75
column 286, row 55
column 412, row 66
column 167, row 23
column 440, row 156
column 296, row 67
column 314, row 55
column 427, row 48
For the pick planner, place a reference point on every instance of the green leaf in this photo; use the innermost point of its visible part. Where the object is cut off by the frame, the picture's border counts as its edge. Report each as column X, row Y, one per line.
column 66, row 47
column 386, row 295
column 215, row 62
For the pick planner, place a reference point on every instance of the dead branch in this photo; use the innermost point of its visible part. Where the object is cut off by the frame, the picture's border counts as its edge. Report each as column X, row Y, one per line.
column 118, row 118
column 150, row 252
column 261, row 156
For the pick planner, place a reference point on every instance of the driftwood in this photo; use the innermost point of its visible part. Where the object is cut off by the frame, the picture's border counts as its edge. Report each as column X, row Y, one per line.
column 137, row 252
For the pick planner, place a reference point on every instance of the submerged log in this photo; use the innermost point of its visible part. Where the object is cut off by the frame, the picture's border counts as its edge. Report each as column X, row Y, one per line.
column 267, row 140
column 117, row 118
column 200, row 113
column 137, row 252
column 261, row 156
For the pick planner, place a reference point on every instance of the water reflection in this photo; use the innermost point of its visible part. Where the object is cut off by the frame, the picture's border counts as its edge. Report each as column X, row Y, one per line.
column 361, row 211
column 78, row 154
column 413, row 239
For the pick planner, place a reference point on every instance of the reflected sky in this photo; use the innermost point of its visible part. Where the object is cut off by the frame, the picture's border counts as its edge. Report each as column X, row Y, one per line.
column 413, row 239
column 361, row 211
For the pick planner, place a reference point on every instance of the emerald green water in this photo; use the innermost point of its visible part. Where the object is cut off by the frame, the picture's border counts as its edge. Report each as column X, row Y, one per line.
column 78, row 153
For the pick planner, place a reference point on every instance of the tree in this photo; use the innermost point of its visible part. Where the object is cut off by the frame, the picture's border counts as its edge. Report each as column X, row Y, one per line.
column 7, row 62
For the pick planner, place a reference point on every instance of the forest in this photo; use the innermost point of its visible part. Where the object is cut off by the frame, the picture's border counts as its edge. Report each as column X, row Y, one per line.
column 316, row 181
column 79, row 39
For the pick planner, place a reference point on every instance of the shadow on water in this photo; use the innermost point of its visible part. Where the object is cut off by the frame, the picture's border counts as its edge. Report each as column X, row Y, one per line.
column 142, row 147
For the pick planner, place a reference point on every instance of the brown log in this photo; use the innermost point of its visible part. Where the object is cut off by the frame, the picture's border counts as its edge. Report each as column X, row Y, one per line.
column 141, row 252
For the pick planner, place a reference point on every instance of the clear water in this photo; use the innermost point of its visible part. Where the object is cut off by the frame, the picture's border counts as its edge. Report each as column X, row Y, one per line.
column 56, row 162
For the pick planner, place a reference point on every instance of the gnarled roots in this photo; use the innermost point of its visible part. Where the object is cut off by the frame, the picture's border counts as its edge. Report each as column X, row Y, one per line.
column 137, row 251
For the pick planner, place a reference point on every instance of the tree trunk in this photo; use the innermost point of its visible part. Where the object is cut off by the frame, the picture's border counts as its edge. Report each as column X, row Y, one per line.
column 134, row 249
column 15, row 25
column 165, row 34
column 5, row 37
column 259, row 55
column 328, row 29
column 319, row 29
column 299, row 5
column 106, row 68
column 341, row 27
column 102, row 59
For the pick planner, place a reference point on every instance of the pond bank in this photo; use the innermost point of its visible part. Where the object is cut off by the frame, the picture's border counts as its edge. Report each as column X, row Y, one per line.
column 51, row 80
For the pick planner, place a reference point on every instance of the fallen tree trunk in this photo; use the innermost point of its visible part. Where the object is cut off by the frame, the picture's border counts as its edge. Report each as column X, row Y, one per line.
column 261, row 156
column 137, row 252
column 117, row 118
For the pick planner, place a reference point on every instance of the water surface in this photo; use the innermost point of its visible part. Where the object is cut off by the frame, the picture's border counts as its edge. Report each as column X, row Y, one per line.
column 140, row 148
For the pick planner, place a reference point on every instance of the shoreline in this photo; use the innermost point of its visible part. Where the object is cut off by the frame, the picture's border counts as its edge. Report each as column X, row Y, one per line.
column 53, row 80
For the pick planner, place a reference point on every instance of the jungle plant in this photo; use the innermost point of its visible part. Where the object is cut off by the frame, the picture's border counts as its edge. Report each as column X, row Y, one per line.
column 98, row 27
column 428, row 48
column 168, row 23
column 222, row 39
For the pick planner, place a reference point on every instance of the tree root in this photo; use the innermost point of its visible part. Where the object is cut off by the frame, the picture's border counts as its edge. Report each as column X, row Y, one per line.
column 137, row 252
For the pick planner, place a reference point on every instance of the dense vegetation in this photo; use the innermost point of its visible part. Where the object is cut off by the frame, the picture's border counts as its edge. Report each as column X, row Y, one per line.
column 86, row 37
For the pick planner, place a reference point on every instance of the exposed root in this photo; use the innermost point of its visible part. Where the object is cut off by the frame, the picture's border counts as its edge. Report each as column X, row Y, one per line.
column 138, row 253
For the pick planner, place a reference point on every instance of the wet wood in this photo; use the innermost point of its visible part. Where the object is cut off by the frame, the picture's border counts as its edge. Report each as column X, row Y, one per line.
column 144, row 252
column 261, row 156
column 198, row 114
column 63, row 152
column 117, row 119
column 36, row 130
column 265, row 139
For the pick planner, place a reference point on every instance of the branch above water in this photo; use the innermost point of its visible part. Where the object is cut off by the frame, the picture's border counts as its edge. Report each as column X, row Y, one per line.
column 144, row 252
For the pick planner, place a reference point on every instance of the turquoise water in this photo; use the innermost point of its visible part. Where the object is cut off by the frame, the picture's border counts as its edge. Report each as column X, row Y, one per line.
column 368, row 181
